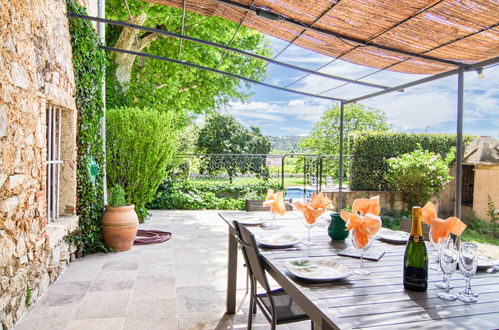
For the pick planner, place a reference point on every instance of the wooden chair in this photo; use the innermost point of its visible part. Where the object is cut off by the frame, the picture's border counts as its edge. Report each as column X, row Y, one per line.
column 406, row 224
column 276, row 305
column 257, row 205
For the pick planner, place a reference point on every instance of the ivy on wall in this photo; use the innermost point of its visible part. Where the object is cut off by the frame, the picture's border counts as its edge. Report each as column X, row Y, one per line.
column 89, row 62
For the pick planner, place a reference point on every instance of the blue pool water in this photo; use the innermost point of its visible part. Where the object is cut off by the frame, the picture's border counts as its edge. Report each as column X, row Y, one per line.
column 294, row 193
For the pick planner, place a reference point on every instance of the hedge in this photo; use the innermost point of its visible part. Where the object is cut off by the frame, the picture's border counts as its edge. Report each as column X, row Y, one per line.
column 195, row 195
column 370, row 150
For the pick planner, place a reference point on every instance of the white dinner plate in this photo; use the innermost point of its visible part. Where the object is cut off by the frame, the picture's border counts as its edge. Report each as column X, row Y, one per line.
column 318, row 269
column 277, row 241
column 486, row 262
column 252, row 221
column 392, row 236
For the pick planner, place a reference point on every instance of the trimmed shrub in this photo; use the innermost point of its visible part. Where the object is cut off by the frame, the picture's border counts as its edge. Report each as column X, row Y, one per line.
column 140, row 145
column 371, row 150
column 420, row 174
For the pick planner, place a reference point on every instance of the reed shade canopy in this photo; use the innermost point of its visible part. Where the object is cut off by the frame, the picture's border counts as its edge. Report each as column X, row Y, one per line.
column 409, row 36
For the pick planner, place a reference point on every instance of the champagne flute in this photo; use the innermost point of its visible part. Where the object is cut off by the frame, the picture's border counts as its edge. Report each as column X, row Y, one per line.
column 448, row 263
column 309, row 223
column 358, row 245
column 468, row 261
column 442, row 241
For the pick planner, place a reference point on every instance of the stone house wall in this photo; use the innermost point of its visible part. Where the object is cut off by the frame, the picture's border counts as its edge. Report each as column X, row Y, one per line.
column 486, row 184
column 35, row 70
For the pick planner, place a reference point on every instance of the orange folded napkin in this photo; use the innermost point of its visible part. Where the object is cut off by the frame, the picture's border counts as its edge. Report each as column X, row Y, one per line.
column 439, row 227
column 276, row 202
column 365, row 224
column 365, row 205
column 315, row 208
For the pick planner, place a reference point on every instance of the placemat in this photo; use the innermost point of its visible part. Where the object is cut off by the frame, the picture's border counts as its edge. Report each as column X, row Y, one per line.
column 371, row 254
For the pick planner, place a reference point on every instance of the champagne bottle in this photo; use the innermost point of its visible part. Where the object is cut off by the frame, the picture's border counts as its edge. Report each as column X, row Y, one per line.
column 415, row 256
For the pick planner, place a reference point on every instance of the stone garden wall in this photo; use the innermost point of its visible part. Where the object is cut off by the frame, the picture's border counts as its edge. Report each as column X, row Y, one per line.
column 35, row 70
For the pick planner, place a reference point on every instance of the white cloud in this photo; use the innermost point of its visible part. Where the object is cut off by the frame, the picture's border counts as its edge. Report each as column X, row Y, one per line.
column 417, row 110
column 304, row 109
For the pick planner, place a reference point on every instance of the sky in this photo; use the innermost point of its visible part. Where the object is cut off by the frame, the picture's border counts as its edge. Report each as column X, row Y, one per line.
column 429, row 107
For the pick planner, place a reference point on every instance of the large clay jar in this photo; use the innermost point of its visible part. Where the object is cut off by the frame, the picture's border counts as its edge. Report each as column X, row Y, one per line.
column 119, row 227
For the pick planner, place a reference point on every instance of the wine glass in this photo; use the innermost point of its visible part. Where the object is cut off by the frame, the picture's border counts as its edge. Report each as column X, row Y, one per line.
column 363, row 248
column 448, row 263
column 434, row 242
column 274, row 224
column 309, row 223
column 468, row 260
column 442, row 241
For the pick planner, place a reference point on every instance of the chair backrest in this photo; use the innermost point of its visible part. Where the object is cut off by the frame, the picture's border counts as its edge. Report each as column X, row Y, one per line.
column 251, row 255
column 257, row 205
column 329, row 182
column 406, row 225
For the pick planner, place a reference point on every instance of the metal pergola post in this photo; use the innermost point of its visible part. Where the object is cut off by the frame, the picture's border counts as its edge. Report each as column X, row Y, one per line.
column 340, row 174
column 459, row 143
column 101, row 27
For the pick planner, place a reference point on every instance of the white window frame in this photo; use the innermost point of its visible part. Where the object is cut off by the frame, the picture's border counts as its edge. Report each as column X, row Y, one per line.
column 53, row 163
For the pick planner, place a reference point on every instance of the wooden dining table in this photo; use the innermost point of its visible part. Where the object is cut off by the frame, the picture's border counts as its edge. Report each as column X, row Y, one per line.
column 377, row 300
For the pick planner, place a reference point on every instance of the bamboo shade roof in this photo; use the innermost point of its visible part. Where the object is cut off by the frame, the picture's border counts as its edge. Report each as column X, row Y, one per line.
column 410, row 36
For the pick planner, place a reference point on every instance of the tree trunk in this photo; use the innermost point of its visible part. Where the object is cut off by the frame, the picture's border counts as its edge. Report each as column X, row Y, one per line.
column 128, row 40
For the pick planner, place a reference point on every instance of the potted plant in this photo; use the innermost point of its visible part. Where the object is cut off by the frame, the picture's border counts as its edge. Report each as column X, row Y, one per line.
column 119, row 221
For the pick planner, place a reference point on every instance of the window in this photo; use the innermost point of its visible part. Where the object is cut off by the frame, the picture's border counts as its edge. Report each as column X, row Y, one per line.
column 468, row 185
column 53, row 161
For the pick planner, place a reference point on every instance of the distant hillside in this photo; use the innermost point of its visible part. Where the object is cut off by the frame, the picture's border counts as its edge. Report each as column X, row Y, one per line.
column 285, row 143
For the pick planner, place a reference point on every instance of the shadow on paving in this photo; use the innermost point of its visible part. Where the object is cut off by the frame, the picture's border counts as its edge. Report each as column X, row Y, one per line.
column 178, row 284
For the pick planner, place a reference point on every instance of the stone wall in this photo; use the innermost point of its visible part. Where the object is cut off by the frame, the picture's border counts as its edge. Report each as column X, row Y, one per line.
column 391, row 202
column 35, row 70
column 486, row 184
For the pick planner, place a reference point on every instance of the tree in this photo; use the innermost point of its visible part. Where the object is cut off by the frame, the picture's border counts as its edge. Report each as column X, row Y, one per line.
column 325, row 137
column 222, row 134
column 133, row 81
column 420, row 174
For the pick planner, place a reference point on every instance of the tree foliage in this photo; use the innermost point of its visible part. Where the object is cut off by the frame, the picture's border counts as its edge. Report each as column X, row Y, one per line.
column 140, row 145
column 168, row 86
column 325, row 137
column 420, row 174
column 222, row 134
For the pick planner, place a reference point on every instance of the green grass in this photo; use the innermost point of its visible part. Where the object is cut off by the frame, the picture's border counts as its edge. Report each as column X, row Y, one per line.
column 478, row 231
column 470, row 235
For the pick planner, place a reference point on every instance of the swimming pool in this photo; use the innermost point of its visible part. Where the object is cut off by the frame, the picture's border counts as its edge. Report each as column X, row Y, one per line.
column 297, row 193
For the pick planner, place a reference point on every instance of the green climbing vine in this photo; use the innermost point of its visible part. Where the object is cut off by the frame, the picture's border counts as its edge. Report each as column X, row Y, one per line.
column 89, row 62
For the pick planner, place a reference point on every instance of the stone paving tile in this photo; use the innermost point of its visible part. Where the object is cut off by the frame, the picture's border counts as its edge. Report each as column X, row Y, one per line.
column 121, row 265
column 65, row 293
column 103, row 304
column 179, row 284
column 47, row 318
column 80, row 272
column 199, row 299
column 114, row 280
column 116, row 323
column 157, row 289
column 152, row 314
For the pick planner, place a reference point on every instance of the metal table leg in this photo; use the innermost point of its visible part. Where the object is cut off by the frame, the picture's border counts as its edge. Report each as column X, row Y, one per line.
column 232, row 274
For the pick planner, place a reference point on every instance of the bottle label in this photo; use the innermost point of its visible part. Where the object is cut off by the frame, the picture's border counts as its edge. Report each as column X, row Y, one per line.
column 415, row 238
column 415, row 278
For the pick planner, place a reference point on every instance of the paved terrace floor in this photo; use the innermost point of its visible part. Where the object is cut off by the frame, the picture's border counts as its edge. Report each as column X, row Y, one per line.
column 179, row 284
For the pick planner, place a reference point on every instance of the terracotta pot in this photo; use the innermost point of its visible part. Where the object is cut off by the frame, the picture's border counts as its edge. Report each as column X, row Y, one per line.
column 119, row 227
